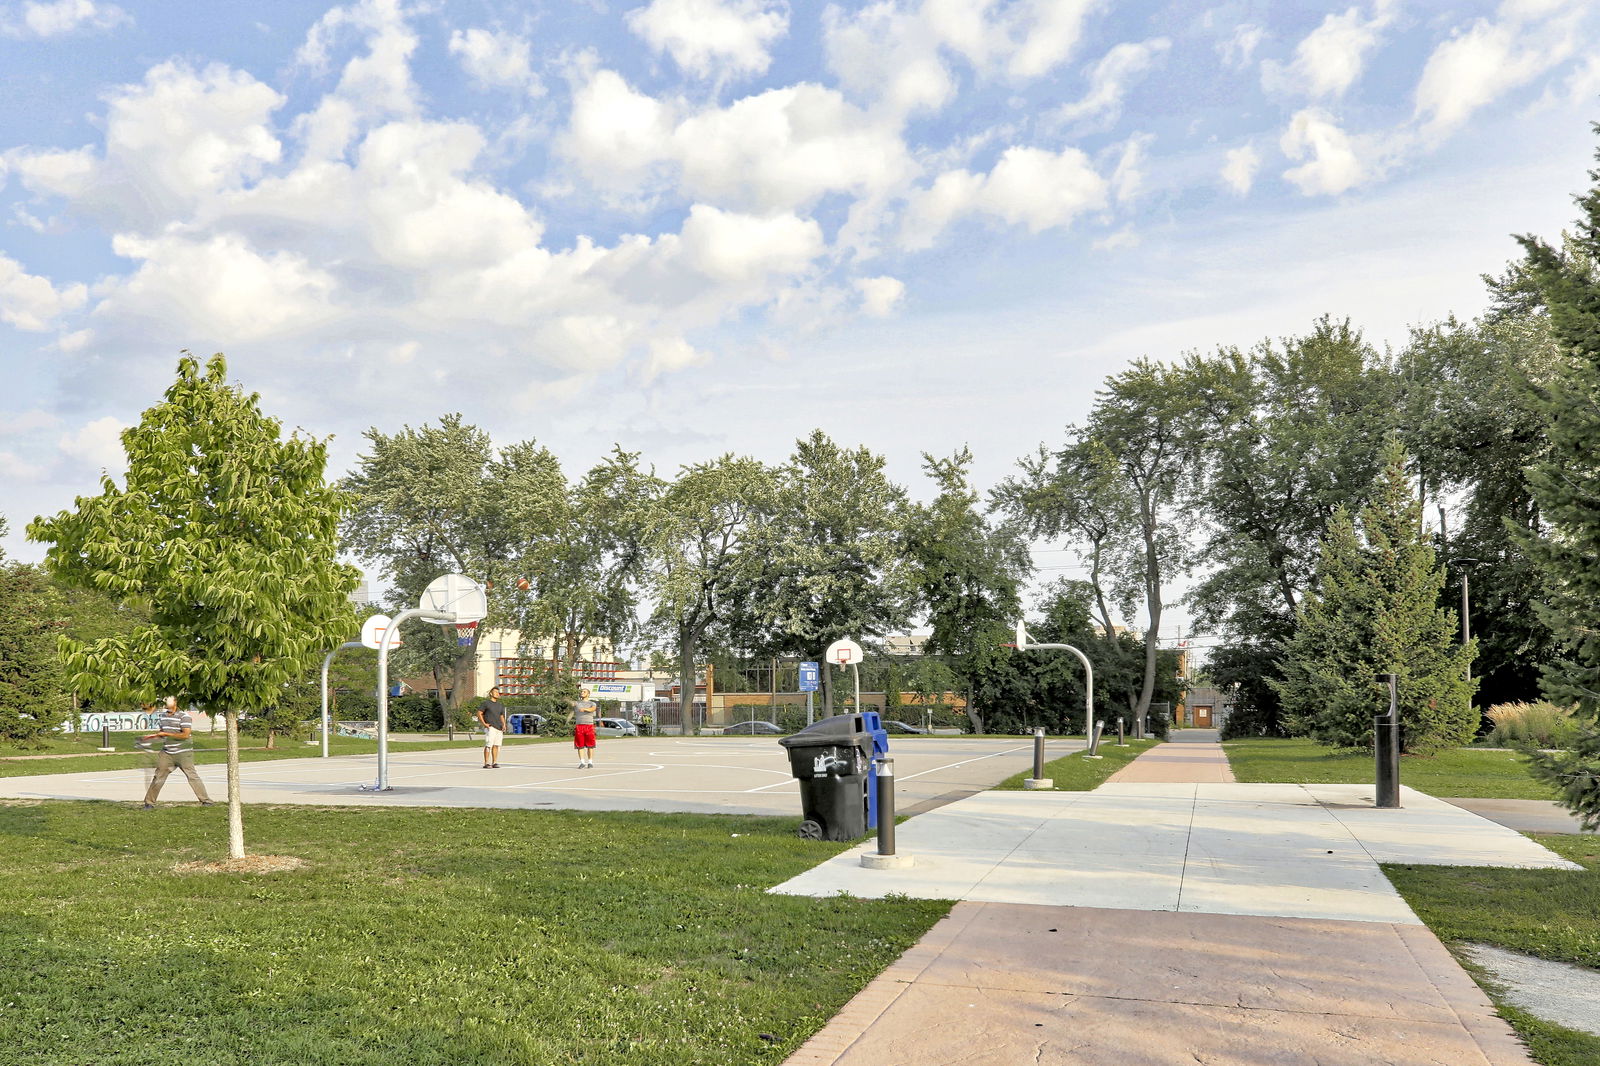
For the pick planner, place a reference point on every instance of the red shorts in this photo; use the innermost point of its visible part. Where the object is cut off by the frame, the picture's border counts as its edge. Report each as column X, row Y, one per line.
column 583, row 736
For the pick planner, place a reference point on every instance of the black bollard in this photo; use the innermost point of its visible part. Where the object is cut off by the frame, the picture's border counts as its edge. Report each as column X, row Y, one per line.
column 1038, row 753
column 105, row 736
column 1121, row 743
column 1386, row 748
column 885, row 806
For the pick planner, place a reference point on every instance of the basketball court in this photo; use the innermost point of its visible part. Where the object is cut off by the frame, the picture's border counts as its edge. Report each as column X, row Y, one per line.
column 711, row 775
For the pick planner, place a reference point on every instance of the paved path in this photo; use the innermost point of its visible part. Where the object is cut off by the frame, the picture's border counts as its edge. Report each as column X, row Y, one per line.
column 1190, row 755
column 1156, row 922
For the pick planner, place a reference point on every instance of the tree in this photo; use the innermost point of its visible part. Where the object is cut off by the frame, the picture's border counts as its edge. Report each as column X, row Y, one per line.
column 33, row 694
column 1376, row 611
column 1566, row 484
column 225, row 532
column 700, row 541
column 967, row 573
column 441, row 499
column 832, row 557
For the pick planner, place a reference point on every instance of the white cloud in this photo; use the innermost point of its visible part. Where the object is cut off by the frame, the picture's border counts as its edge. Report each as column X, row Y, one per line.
column 61, row 17
column 737, row 248
column 217, row 289
column 31, row 302
column 713, row 37
column 1239, row 168
column 21, row 423
column 98, row 444
column 373, row 86
column 774, row 151
column 18, row 470
column 1488, row 59
column 881, row 295
column 496, row 60
column 669, row 355
column 1329, row 60
column 1332, row 165
column 1237, row 50
column 1031, row 187
column 1129, row 173
column 1110, row 79
column 892, row 53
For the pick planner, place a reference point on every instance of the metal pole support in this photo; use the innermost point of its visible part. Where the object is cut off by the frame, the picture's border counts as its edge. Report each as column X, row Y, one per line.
column 886, row 858
column 1038, row 780
column 105, row 738
column 1094, row 742
column 1121, row 741
column 1386, row 747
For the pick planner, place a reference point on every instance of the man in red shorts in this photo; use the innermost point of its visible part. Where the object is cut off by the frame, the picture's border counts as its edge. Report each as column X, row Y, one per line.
column 583, row 715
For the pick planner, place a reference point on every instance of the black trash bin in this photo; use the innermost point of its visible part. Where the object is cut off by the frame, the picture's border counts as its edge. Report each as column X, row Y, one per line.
column 832, row 759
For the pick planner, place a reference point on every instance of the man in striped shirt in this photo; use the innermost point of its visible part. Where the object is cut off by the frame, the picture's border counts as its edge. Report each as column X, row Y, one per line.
column 177, row 749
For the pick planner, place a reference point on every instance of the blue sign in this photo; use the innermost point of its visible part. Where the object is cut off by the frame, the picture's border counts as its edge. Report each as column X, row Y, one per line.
column 810, row 677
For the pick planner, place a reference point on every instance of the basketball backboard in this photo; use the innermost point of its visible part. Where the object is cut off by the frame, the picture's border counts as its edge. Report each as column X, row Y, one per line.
column 455, row 594
column 372, row 632
column 1022, row 636
column 844, row 652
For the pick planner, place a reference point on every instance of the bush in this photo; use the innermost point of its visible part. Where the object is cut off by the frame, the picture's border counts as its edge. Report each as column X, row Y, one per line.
column 1541, row 725
column 413, row 714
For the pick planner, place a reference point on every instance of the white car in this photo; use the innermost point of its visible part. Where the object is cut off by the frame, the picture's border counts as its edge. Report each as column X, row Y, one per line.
column 615, row 727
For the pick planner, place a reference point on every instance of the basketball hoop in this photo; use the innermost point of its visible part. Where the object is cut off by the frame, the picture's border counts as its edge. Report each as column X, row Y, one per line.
column 464, row 633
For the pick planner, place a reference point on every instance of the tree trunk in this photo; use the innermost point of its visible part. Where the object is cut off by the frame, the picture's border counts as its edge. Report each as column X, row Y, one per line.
column 686, row 643
column 272, row 739
column 235, row 807
column 438, row 697
column 1152, row 592
column 827, row 690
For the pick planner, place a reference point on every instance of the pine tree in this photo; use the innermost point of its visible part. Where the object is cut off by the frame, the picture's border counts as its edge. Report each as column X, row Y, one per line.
column 1376, row 612
column 1566, row 484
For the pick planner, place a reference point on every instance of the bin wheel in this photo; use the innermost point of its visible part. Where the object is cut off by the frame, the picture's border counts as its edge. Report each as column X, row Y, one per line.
column 811, row 830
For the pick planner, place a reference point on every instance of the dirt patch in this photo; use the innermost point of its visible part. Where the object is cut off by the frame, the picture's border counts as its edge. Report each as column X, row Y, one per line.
column 250, row 864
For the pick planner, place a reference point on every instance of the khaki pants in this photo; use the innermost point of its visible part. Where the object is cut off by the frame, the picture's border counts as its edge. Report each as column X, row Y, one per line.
column 183, row 760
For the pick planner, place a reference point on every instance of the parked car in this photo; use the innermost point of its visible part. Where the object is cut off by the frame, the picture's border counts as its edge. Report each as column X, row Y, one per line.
column 757, row 728
column 615, row 727
column 903, row 727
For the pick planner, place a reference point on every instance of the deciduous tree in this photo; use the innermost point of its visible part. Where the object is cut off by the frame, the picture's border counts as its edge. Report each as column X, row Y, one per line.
column 225, row 532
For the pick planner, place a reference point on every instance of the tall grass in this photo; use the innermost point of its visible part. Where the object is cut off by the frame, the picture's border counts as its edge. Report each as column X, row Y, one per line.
column 1542, row 724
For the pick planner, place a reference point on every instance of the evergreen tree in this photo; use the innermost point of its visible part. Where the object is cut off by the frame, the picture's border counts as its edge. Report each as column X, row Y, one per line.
column 1376, row 611
column 33, row 693
column 1566, row 484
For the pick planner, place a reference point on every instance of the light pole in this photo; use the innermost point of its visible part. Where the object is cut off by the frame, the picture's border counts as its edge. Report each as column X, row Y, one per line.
column 1465, row 564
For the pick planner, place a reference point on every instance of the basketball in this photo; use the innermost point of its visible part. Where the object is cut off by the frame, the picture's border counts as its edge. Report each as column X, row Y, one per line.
column 523, row 584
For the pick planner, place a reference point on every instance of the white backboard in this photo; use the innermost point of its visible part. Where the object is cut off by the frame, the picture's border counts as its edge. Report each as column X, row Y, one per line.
column 844, row 652
column 457, row 595
column 1022, row 636
column 372, row 632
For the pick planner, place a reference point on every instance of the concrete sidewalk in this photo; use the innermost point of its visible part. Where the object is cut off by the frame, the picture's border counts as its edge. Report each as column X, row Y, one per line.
column 1155, row 921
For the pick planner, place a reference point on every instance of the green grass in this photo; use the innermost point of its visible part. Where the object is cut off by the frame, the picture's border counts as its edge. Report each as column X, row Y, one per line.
column 1074, row 773
column 1457, row 772
column 1550, row 914
column 423, row 936
column 211, row 748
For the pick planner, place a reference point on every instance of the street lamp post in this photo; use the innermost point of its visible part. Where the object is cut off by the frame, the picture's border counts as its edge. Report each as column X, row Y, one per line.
column 1465, row 564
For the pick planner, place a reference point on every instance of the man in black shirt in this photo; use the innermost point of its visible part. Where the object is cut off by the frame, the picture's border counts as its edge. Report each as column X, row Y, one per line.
column 492, row 716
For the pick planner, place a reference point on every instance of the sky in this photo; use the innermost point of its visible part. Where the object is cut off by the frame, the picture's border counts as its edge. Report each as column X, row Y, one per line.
column 701, row 226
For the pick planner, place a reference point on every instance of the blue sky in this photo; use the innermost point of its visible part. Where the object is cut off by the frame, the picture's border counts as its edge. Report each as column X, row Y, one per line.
column 695, row 226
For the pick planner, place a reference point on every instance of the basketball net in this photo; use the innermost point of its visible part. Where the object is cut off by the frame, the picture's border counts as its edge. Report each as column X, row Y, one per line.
column 464, row 634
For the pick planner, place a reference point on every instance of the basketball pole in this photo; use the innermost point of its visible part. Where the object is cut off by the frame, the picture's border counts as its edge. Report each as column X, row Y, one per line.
column 384, row 643
column 326, row 662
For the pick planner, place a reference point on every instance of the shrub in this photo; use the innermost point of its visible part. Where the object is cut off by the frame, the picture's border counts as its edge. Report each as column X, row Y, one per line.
column 1542, row 725
column 413, row 713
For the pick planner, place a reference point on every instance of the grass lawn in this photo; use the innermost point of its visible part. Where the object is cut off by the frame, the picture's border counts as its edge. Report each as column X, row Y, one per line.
column 210, row 748
column 1074, row 773
column 1458, row 772
column 1551, row 914
column 421, row 936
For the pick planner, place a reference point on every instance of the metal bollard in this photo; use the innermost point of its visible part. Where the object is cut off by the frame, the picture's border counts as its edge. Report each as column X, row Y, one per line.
column 1121, row 743
column 105, row 738
column 1094, row 741
column 1038, row 752
column 885, row 806
column 1386, row 749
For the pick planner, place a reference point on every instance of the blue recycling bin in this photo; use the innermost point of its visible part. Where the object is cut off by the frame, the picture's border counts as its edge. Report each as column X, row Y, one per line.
column 516, row 722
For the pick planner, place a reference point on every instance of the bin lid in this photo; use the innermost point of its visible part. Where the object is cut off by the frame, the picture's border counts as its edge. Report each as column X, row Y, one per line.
column 839, row 729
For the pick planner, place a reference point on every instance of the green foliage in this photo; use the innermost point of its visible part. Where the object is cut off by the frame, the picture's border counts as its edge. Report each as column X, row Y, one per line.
column 1256, row 710
column 417, row 713
column 1574, row 773
column 1566, row 485
column 34, row 698
column 1452, row 772
column 1283, row 435
column 1376, row 612
column 224, row 533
